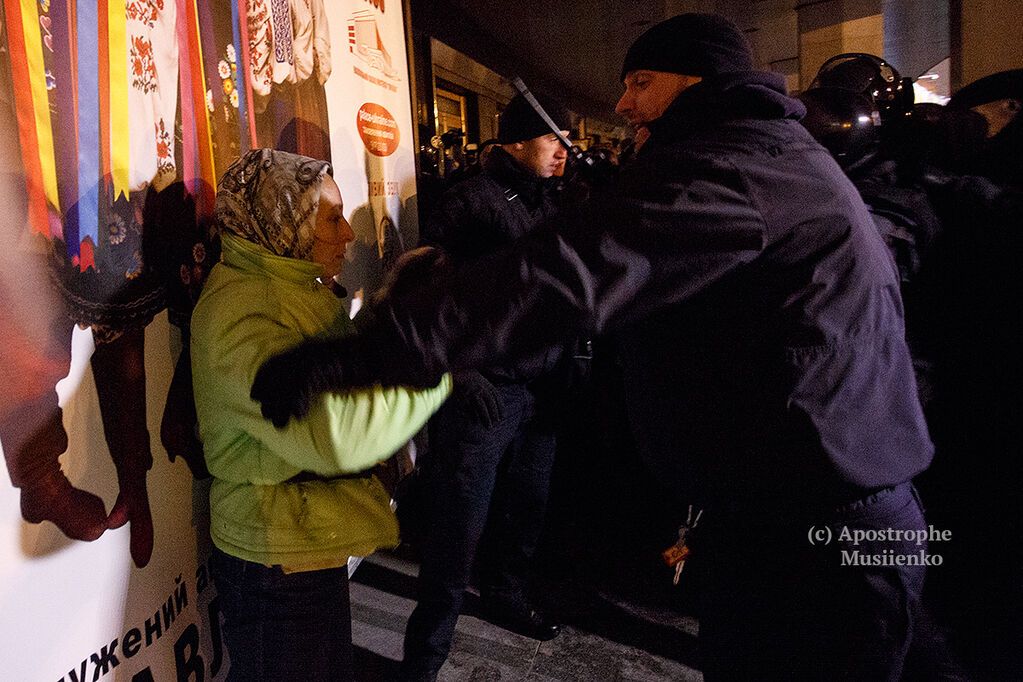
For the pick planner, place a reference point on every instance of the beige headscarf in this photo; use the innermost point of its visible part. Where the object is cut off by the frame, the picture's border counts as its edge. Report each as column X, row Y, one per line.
column 270, row 198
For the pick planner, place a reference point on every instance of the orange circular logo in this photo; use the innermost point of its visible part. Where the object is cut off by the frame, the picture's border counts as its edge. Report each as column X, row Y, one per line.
column 378, row 129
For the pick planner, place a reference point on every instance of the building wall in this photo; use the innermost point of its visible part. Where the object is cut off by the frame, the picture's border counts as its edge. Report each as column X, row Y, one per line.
column 492, row 91
column 488, row 112
column 774, row 35
column 834, row 27
column 989, row 39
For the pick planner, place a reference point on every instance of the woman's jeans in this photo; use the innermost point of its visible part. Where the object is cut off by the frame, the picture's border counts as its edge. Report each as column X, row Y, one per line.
column 284, row 626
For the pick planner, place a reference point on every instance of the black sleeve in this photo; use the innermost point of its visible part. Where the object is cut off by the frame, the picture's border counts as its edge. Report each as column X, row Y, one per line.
column 450, row 224
column 654, row 241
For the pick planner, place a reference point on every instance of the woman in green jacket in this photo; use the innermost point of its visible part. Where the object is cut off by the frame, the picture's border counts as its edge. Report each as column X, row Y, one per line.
column 288, row 506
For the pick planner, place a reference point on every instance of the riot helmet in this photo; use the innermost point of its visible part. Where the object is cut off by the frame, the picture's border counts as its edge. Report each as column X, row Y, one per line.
column 844, row 122
column 871, row 77
column 849, row 101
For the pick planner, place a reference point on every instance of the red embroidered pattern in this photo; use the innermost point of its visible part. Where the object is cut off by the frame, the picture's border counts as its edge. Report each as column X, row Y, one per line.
column 259, row 50
column 164, row 157
column 143, row 67
column 144, row 11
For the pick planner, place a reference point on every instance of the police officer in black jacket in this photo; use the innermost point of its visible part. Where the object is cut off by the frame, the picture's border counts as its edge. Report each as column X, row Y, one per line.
column 492, row 444
column 973, row 321
column 768, row 378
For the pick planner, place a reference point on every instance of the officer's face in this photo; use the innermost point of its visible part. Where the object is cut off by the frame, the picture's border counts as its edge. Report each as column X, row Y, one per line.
column 542, row 155
column 648, row 94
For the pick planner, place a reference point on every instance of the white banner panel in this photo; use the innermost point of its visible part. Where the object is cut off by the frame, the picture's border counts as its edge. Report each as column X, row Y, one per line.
column 121, row 606
column 371, row 134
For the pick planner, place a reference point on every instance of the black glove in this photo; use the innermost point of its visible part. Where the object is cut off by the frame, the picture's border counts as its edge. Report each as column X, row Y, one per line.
column 479, row 397
column 287, row 384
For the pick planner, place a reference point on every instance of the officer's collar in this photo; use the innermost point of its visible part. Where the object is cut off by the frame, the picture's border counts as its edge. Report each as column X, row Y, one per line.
column 727, row 97
column 507, row 171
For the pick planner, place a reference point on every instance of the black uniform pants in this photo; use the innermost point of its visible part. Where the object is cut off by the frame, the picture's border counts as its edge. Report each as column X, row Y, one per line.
column 480, row 481
column 832, row 598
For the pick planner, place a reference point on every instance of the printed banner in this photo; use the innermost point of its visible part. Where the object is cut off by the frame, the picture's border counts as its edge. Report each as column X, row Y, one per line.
column 119, row 116
column 371, row 135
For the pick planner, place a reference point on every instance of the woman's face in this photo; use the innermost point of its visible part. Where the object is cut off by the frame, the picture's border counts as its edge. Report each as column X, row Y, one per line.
column 332, row 232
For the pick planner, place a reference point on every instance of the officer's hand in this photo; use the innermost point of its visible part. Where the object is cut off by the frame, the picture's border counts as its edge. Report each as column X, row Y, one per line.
column 287, row 384
column 281, row 389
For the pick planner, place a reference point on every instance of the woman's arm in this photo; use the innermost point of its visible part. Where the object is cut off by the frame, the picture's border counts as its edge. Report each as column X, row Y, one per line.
column 343, row 433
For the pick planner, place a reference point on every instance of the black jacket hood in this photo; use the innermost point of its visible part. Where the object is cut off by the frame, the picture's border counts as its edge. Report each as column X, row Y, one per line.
column 728, row 97
column 513, row 175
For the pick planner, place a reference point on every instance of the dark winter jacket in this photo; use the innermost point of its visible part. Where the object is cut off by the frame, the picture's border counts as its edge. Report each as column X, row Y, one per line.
column 489, row 211
column 757, row 306
column 971, row 320
column 909, row 225
column 902, row 212
column 483, row 214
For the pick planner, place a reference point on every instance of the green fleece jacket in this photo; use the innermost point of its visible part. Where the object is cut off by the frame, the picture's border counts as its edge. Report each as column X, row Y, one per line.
column 254, row 305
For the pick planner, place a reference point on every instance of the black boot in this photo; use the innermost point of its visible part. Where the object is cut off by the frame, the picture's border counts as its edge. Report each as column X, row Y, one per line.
column 516, row 614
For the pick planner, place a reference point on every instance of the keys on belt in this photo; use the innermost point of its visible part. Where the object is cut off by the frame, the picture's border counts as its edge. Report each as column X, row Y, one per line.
column 677, row 554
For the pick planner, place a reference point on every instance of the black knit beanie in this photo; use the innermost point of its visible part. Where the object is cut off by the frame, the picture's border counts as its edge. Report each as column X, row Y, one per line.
column 701, row 45
column 520, row 122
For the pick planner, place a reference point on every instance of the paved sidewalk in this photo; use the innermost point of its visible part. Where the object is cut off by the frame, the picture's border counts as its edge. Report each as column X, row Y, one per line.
column 605, row 638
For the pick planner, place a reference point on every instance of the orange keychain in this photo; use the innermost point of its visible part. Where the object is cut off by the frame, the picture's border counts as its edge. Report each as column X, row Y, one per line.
column 677, row 554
